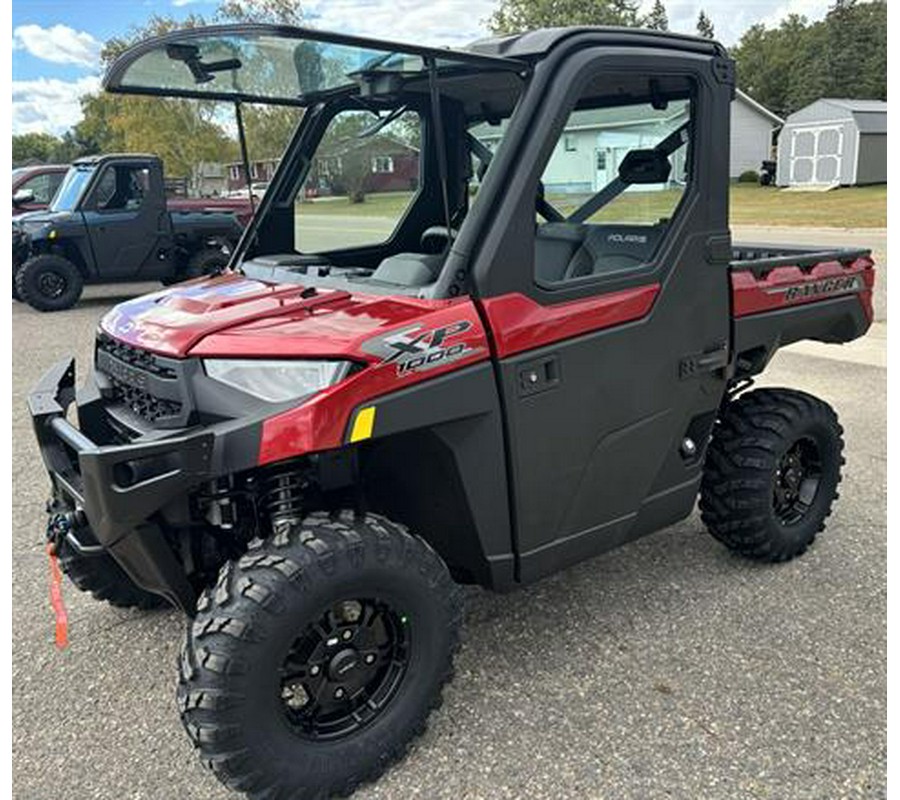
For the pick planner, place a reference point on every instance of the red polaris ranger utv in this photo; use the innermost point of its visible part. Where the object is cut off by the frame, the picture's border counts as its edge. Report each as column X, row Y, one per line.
column 537, row 347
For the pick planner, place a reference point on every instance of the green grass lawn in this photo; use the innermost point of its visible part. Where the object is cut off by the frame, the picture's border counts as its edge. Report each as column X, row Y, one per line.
column 852, row 207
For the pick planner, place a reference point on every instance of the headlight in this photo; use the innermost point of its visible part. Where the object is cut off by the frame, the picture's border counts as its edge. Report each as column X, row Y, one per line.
column 276, row 381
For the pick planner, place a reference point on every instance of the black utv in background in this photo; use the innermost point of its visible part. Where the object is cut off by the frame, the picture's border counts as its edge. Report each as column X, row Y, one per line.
column 109, row 222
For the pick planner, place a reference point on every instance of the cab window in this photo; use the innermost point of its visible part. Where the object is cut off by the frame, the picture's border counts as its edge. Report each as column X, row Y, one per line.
column 121, row 188
column 614, row 180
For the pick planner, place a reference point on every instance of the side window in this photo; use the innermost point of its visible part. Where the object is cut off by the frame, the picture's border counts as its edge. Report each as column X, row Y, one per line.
column 614, row 179
column 39, row 186
column 121, row 188
column 364, row 176
column 55, row 179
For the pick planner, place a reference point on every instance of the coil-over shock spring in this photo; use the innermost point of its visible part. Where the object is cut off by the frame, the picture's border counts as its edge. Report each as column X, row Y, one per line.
column 283, row 496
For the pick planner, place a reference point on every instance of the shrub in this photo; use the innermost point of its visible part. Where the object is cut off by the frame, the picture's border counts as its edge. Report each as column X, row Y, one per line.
column 749, row 176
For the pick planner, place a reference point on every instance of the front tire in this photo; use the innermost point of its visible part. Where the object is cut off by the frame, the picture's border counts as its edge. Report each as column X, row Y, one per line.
column 209, row 261
column 318, row 656
column 104, row 579
column 49, row 283
column 771, row 473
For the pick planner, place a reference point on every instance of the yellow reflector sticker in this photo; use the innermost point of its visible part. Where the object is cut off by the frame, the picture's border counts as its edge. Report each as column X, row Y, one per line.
column 363, row 424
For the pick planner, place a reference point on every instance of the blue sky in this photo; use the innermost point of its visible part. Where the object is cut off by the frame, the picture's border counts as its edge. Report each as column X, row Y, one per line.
column 56, row 42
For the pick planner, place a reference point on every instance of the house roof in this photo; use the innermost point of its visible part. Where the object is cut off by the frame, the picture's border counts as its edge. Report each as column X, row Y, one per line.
column 622, row 116
column 870, row 116
column 857, row 105
column 758, row 107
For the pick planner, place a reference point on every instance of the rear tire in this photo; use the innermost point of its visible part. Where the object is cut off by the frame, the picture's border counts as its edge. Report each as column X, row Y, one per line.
column 49, row 283
column 275, row 669
column 104, row 579
column 771, row 473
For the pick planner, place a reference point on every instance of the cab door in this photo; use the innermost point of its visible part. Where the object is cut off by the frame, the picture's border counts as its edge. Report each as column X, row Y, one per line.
column 127, row 221
column 610, row 320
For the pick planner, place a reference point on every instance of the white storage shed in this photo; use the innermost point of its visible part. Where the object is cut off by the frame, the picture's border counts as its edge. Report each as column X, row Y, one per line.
column 834, row 142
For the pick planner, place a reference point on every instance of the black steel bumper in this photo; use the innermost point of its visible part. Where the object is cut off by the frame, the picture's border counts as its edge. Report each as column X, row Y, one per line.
column 119, row 487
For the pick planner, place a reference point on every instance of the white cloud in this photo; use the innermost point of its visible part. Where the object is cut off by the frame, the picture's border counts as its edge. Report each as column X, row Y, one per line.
column 49, row 105
column 457, row 22
column 59, row 44
column 440, row 23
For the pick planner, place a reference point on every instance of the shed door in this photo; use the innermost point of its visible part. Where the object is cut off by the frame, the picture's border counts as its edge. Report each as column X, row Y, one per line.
column 816, row 154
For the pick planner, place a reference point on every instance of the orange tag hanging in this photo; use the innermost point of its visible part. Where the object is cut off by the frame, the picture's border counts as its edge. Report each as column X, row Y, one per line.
column 56, row 600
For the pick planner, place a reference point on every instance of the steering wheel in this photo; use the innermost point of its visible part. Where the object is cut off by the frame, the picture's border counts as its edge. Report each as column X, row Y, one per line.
column 435, row 239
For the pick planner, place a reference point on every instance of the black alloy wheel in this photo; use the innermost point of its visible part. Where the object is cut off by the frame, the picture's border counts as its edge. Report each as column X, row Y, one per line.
column 797, row 481
column 344, row 668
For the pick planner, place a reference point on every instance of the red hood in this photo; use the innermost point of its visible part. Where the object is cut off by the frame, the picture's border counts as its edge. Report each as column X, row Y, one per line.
column 232, row 315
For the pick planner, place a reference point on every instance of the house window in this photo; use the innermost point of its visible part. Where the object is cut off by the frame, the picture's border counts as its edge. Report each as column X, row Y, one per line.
column 254, row 171
column 234, row 172
column 382, row 164
column 601, row 160
column 570, row 143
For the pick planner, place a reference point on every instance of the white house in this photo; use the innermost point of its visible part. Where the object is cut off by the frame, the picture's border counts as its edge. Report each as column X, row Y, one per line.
column 834, row 142
column 595, row 141
column 753, row 129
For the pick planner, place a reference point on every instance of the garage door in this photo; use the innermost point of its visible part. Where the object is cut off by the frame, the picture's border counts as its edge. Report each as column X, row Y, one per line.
column 816, row 154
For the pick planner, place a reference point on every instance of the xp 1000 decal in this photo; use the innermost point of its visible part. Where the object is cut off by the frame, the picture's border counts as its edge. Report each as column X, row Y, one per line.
column 419, row 348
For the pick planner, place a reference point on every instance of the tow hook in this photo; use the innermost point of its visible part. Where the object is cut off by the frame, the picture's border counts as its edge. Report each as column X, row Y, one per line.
column 59, row 525
column 66, row 525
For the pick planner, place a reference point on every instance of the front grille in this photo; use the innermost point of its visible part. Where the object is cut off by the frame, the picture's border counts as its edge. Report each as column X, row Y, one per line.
column 152, row 387
column 144, row 404
column 142, row 359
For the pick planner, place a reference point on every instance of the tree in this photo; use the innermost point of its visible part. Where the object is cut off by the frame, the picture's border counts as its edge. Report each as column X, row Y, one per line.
column 33, row 147
column 657, row 19
column 269, row 128
column 704, row 26
column 844, row 55
column 186, row 133
column 283, row 12
column 514, row 16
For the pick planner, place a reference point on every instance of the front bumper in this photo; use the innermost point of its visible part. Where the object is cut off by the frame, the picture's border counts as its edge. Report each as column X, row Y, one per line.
column 120, row 487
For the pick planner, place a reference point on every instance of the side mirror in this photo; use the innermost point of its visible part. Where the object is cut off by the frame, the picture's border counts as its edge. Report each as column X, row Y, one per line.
column 644, row 166
column 23, row 196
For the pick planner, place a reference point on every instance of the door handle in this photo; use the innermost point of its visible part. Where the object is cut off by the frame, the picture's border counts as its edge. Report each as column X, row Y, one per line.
column 538, row 376
column 703, row 363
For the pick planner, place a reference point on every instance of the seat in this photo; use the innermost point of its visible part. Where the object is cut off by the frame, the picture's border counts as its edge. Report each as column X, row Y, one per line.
column 565, row 251
column 610, row 249
column 409, row 269
column 556, row 244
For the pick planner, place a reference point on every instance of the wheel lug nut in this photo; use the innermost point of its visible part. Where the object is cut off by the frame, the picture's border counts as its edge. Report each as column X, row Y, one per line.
column 370, row 659
column 314, row 670
column 332, row 641
column 347, row 634
column 339, row 693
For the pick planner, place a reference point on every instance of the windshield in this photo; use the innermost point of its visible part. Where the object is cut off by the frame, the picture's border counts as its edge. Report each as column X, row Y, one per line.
column 273, row 64
column 72, row 188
